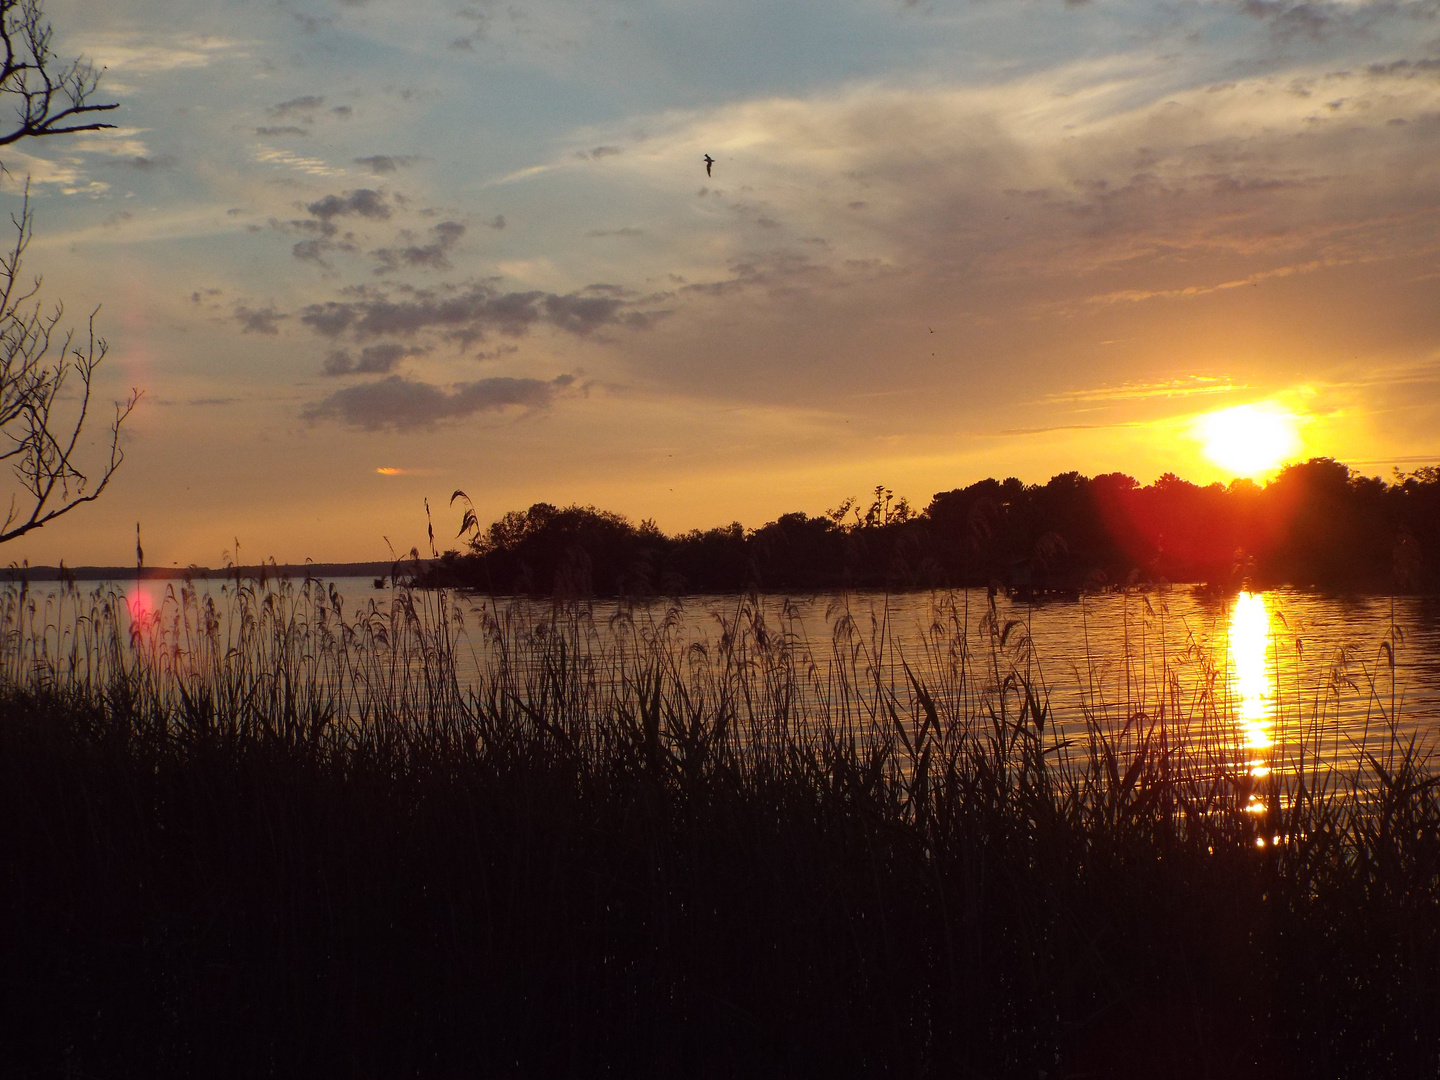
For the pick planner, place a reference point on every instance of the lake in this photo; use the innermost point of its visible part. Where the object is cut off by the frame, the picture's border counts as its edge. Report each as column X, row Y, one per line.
column 1279, row 667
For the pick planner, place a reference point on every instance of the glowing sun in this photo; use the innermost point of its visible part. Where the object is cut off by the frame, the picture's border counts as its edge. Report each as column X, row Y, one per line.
column 1248, row 440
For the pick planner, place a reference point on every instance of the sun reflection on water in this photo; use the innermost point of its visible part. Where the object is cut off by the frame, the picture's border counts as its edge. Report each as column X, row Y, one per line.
column 1252, row 682
column 1249, row 655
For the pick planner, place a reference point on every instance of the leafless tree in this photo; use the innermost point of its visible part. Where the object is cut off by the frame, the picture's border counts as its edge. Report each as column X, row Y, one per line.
column 46, row 374
column 50, row 96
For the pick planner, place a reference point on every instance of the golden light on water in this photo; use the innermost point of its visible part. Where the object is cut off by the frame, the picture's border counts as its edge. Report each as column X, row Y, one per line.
column 1248, row 440
column 1249, row 659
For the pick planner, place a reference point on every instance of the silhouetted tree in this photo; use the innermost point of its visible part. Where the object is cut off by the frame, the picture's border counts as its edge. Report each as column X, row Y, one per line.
column 1315, row 524
column 43, row 412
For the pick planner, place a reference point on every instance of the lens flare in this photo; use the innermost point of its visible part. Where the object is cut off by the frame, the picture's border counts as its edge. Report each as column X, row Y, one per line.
column 141, row 602
column 1248, row 440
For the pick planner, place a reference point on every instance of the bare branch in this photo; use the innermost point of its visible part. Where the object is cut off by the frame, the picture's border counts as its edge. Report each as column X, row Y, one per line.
column 46, row 392
column 48, row 96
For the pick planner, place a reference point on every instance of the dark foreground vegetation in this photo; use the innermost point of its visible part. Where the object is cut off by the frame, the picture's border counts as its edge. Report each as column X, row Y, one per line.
column 281, row 840
column 1316, row 524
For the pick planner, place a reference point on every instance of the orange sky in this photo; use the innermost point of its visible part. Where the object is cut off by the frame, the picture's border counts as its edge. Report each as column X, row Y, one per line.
column 360, row 255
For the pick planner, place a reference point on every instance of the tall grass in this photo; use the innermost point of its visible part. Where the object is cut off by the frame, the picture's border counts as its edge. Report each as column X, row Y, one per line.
column 264, row 832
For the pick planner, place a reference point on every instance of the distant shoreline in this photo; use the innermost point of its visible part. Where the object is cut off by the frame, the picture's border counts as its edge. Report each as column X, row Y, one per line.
column 386, row 569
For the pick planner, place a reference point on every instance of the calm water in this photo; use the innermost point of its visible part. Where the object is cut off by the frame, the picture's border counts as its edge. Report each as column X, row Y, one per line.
column 1279, row 665
column 1271, row 662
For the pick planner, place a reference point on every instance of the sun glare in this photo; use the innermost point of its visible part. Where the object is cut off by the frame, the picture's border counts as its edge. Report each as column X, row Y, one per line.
column 1248, row 440
column 1250, row 666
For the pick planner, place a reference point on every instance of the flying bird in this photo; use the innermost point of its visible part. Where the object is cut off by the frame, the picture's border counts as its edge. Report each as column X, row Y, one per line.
column 709, row 161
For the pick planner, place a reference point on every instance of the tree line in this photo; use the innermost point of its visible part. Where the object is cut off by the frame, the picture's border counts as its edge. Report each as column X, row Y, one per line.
column 1317, row 524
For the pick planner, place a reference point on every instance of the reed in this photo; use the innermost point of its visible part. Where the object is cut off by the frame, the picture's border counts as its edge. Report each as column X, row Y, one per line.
column 266, row 831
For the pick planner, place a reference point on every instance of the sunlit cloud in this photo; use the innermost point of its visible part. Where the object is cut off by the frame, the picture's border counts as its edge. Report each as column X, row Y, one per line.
column 310, row 166
column 1164, row 389
column 146, row 54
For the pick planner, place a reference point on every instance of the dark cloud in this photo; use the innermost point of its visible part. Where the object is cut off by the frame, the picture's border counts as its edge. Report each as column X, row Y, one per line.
column 365, row 202
column 1404, row 67
column 497, row 352
column 308, row 103
column 624, row 230
column 381, row 164
column 289, row 129
column 342, row 112
column 142, row 163
column 580, row 314
column 312, row 23
column 480, row 22
column 403, row 404
column 498, row 222
column 322, row 228
column 324, row 238
column 467, row 314
column 430, row 256
column 330, row 318
column 599, row 152
column 373, row 359
column 259, row 321
column 316, row 250
column 1321, row 19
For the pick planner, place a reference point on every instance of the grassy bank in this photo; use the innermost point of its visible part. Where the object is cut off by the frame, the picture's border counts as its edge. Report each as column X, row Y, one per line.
column 280, row 838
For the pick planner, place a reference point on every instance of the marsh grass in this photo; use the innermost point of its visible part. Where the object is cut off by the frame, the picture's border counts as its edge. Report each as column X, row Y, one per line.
column 260, row 831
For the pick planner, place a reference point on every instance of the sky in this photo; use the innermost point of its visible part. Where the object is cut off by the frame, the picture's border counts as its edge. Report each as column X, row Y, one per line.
column 359, row 254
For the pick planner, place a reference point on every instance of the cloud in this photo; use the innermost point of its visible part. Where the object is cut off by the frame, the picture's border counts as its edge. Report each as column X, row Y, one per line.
column 317, row 249
column 1305, row 17
column 311, row 24
column 363, row 202
column 289, row 129
column 1405, row 67
column 469, row 313
column 373, row 360
column 310, row 166
column 150, row 53
column 429, row 256
column 259, row 321
column 383, row 164
column 1077, row 170
column 143, row 163
column 305, row 104
column 401, row 404
column 1184, row 386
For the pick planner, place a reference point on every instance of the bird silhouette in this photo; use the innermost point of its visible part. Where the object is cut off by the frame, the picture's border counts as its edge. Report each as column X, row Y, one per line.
column 709, row 161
